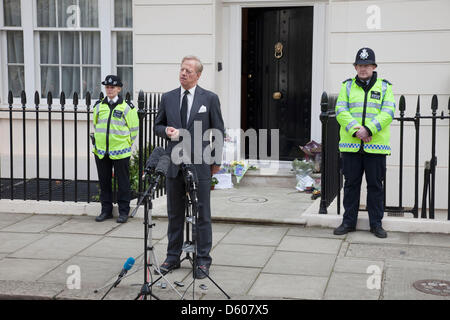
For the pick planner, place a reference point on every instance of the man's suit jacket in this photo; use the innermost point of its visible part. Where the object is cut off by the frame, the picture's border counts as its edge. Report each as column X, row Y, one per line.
column 169, row 116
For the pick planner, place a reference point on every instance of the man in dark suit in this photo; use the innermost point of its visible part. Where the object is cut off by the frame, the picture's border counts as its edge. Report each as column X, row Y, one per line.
column 191, row 110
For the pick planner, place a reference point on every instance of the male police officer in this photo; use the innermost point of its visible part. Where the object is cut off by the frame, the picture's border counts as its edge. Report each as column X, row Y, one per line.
column 116, row 127
column 364, row 109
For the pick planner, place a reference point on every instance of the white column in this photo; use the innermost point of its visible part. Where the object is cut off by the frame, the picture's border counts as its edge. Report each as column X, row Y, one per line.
column 318, row 69
column 29, row 49
column 105, row 15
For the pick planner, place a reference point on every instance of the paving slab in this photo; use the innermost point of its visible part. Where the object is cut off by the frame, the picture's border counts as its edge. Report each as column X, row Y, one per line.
column 94, row 272
column 302, row 231
column 233, row 280
column 348, row 286
column 300, row 263
column 398, row 283
column 430, row 239
column 11, row 242
column 134, row 228
column 410, row 264
column 255, row 235
column 313, row 245
column 289, row 286
column 241, row 255
column 356, row 265
column 120, row 248
column 29, row 289
column 36, row 223
column 281, row 205
column 86, row 225
column 368, row 237
column 11, row 218
column 377, row 251
column 56, row 246
column 25, row 269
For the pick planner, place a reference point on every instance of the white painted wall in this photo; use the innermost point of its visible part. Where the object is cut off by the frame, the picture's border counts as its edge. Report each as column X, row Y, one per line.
column 165, row 32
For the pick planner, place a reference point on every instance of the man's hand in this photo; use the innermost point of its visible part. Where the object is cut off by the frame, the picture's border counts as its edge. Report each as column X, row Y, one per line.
column 214, row 169
column 362, row 133
column 172, row 133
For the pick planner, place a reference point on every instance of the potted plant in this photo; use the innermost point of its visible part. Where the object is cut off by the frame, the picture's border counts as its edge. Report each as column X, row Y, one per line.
column 214, row 181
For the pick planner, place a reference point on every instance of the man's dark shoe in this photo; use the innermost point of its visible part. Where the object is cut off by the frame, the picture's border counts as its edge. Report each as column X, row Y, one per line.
column 103, row 217
column 168, row 266
column 379, row 232
column 122, row 219
column 202, row 271
column 343, row 229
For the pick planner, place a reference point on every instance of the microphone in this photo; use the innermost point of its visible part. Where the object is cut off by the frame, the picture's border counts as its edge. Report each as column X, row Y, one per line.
column 152, row 162
column 163, row 165
column 126, row 267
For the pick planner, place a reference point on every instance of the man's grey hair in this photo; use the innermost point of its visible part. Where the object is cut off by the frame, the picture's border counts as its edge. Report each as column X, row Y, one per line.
column 199, row 63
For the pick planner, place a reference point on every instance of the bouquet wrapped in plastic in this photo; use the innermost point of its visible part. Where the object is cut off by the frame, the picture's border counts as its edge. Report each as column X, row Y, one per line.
column 313, row 151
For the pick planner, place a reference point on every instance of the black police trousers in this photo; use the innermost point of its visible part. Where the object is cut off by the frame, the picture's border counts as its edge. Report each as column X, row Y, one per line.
column 354, row 166
column 122, row 174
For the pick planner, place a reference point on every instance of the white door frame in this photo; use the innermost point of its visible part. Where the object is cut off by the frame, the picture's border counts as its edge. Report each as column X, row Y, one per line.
column 234, row 59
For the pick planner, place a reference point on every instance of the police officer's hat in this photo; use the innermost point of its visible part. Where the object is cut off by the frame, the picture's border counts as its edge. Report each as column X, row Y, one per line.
column 365, row 56
column 112, row 80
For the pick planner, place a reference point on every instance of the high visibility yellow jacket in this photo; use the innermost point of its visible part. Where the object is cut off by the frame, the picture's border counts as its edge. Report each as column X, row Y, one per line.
column 116, row 127
column 373, row 109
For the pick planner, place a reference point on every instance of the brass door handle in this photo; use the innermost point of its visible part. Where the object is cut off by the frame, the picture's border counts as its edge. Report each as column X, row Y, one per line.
column 276, row 95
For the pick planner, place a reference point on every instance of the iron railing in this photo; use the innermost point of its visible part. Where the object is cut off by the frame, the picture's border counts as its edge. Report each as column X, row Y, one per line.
column 51, row 186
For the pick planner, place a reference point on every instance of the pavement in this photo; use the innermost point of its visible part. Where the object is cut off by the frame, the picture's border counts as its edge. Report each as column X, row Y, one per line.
column 261, row 250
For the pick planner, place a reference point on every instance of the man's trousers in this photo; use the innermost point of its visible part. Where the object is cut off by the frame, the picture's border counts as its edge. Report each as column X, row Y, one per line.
column 176, row 197
column 354, row 166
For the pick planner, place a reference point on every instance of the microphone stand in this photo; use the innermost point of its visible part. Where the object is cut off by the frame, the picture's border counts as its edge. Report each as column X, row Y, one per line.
column 191, row 209
column 150, row 261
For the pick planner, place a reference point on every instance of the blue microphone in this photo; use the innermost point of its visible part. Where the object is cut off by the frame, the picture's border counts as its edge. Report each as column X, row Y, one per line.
column 127, row 266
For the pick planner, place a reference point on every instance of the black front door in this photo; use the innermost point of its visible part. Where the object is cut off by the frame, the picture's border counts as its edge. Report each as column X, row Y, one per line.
column 276, row 74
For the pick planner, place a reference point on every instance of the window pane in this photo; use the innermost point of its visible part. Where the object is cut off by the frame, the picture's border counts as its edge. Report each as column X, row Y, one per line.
column 123, row 17
column 70, row 81
column 15, row 46
column 49, row 47
column 16, row 80
column 91, row 47
column 89, row 13
column 92, row 82
column 124, row 48
column 12, row 13
column 46, row 13
column 70, row 48
column 68, row 14
column 126, row 75
column 50, row 81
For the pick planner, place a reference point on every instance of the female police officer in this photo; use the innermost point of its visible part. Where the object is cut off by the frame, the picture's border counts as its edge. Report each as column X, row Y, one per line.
column 116, row 126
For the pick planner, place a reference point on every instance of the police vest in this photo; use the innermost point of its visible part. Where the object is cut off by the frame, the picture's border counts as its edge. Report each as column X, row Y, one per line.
column 374, row 109
column 115, row 129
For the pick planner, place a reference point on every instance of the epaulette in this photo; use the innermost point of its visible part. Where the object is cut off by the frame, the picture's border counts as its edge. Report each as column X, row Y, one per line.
column 130, row 104
column 349, row 79
column 97, row 102
column 384, row 80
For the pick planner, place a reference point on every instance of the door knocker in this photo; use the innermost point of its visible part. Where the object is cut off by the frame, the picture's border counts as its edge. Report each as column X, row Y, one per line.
column 278, row 50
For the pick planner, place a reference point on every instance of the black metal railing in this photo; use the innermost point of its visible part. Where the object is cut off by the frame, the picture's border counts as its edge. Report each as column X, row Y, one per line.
column 331, row 168
column 52, row 123
column 331, row 176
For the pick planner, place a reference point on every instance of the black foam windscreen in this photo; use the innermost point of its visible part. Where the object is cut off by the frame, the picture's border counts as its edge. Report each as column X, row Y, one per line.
column 152, row 162
column 163, row 165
